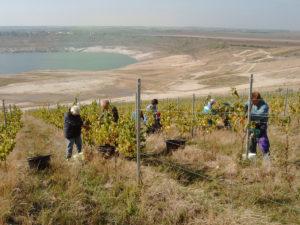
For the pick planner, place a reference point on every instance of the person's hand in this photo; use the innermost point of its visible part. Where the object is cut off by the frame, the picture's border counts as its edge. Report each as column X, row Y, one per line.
column 86, row 126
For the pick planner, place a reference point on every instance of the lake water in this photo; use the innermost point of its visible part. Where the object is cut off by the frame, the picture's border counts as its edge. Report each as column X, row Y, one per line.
column 12, row 63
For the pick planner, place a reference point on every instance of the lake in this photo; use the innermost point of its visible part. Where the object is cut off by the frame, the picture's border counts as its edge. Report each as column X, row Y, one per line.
column 13, row 63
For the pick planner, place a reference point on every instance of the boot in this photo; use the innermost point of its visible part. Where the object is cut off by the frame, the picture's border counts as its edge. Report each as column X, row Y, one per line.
column 267, row 157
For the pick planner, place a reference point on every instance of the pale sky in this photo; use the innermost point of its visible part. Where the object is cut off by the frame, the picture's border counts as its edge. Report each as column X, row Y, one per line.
column 252, row 14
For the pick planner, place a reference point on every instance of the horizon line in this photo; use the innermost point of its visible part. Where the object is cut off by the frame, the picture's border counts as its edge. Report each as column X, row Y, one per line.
column 150, row 26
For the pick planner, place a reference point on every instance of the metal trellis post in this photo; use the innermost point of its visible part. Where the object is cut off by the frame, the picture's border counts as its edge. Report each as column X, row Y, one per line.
column 249, row 117
column 286, row 102
column 138, row 130
column 193, row 111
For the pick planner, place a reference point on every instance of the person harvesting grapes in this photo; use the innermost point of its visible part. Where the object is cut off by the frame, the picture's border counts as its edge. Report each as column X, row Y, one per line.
column 259, row 120
column 152, row 111
column 221, row 109
column 142, row 116
column 209, row 110
column 72, row 130
column 109, row 112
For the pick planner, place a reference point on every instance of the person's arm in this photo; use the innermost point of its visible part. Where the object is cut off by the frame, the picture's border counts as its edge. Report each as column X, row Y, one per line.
column 263, row 110
column 81, row 124
column 149, row 108
column 208, row 109
column 86, row 125
column 145, row 118
column 115, row 114
column 75, row 122
column 246, row 108
column 142, row 115
column 261, row 114
column 68, row 121
column 214, row 111
column 65, row 117
column 65, row 121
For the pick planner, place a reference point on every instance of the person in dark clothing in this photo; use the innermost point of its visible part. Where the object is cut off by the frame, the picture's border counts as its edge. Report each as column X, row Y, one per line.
column 152, row 110
column 72, row 130
column 259, row 117
column 109, row 112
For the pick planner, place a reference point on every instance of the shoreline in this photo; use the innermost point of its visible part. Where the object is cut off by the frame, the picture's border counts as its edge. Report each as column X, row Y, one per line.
column 135, row 54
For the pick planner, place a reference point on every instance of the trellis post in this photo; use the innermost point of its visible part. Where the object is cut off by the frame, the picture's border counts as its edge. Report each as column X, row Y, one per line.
column 138, row 130
column 249, row 117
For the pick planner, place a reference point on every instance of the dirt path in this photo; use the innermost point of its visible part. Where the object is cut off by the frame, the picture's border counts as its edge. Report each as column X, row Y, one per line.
column 35, row 136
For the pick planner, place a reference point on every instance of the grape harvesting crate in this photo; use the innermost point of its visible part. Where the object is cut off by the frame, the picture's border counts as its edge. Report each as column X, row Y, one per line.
column 39, row 162
column 175, row 144
column 107, row 150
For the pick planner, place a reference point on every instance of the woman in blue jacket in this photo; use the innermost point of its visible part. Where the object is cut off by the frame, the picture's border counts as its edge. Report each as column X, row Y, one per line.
column 260, row 117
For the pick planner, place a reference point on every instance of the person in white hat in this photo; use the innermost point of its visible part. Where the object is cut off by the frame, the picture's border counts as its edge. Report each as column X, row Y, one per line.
column 72, row 130
column 209, row 107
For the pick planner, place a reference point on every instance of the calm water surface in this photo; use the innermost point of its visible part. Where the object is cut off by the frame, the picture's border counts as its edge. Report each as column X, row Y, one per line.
column 12, row 63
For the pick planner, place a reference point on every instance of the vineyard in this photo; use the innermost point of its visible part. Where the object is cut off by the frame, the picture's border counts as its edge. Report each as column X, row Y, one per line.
column 9, row 128
column 182, row 116
column 206, row 182
column 101, row 132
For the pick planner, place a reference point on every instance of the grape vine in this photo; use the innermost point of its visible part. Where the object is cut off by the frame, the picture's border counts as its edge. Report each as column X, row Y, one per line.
column 8, row 133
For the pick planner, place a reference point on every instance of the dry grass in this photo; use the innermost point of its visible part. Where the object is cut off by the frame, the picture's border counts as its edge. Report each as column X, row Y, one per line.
column 167, row 202
column 257, row 185
column 155, row 143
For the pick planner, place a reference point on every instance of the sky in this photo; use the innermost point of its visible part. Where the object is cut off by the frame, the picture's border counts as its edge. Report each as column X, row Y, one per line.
column 248, row 14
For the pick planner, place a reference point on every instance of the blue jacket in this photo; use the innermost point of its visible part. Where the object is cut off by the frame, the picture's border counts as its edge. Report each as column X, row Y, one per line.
column 72, row 125
column 260, row 112
column 208, row 109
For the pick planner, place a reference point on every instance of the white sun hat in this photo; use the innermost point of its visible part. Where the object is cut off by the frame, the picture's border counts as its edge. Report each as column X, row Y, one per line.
column 212, row 101
column 75, row 110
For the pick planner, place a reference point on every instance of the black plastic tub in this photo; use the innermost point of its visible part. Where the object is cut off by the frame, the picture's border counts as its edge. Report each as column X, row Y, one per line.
column 175, row 144
column 40, row 162
column 107, row 150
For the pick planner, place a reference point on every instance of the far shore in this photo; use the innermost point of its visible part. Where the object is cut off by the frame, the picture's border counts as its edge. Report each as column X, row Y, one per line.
column 136, row 54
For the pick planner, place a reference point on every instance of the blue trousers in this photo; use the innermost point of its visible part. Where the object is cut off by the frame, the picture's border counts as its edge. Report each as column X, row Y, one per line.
column 70, row 143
